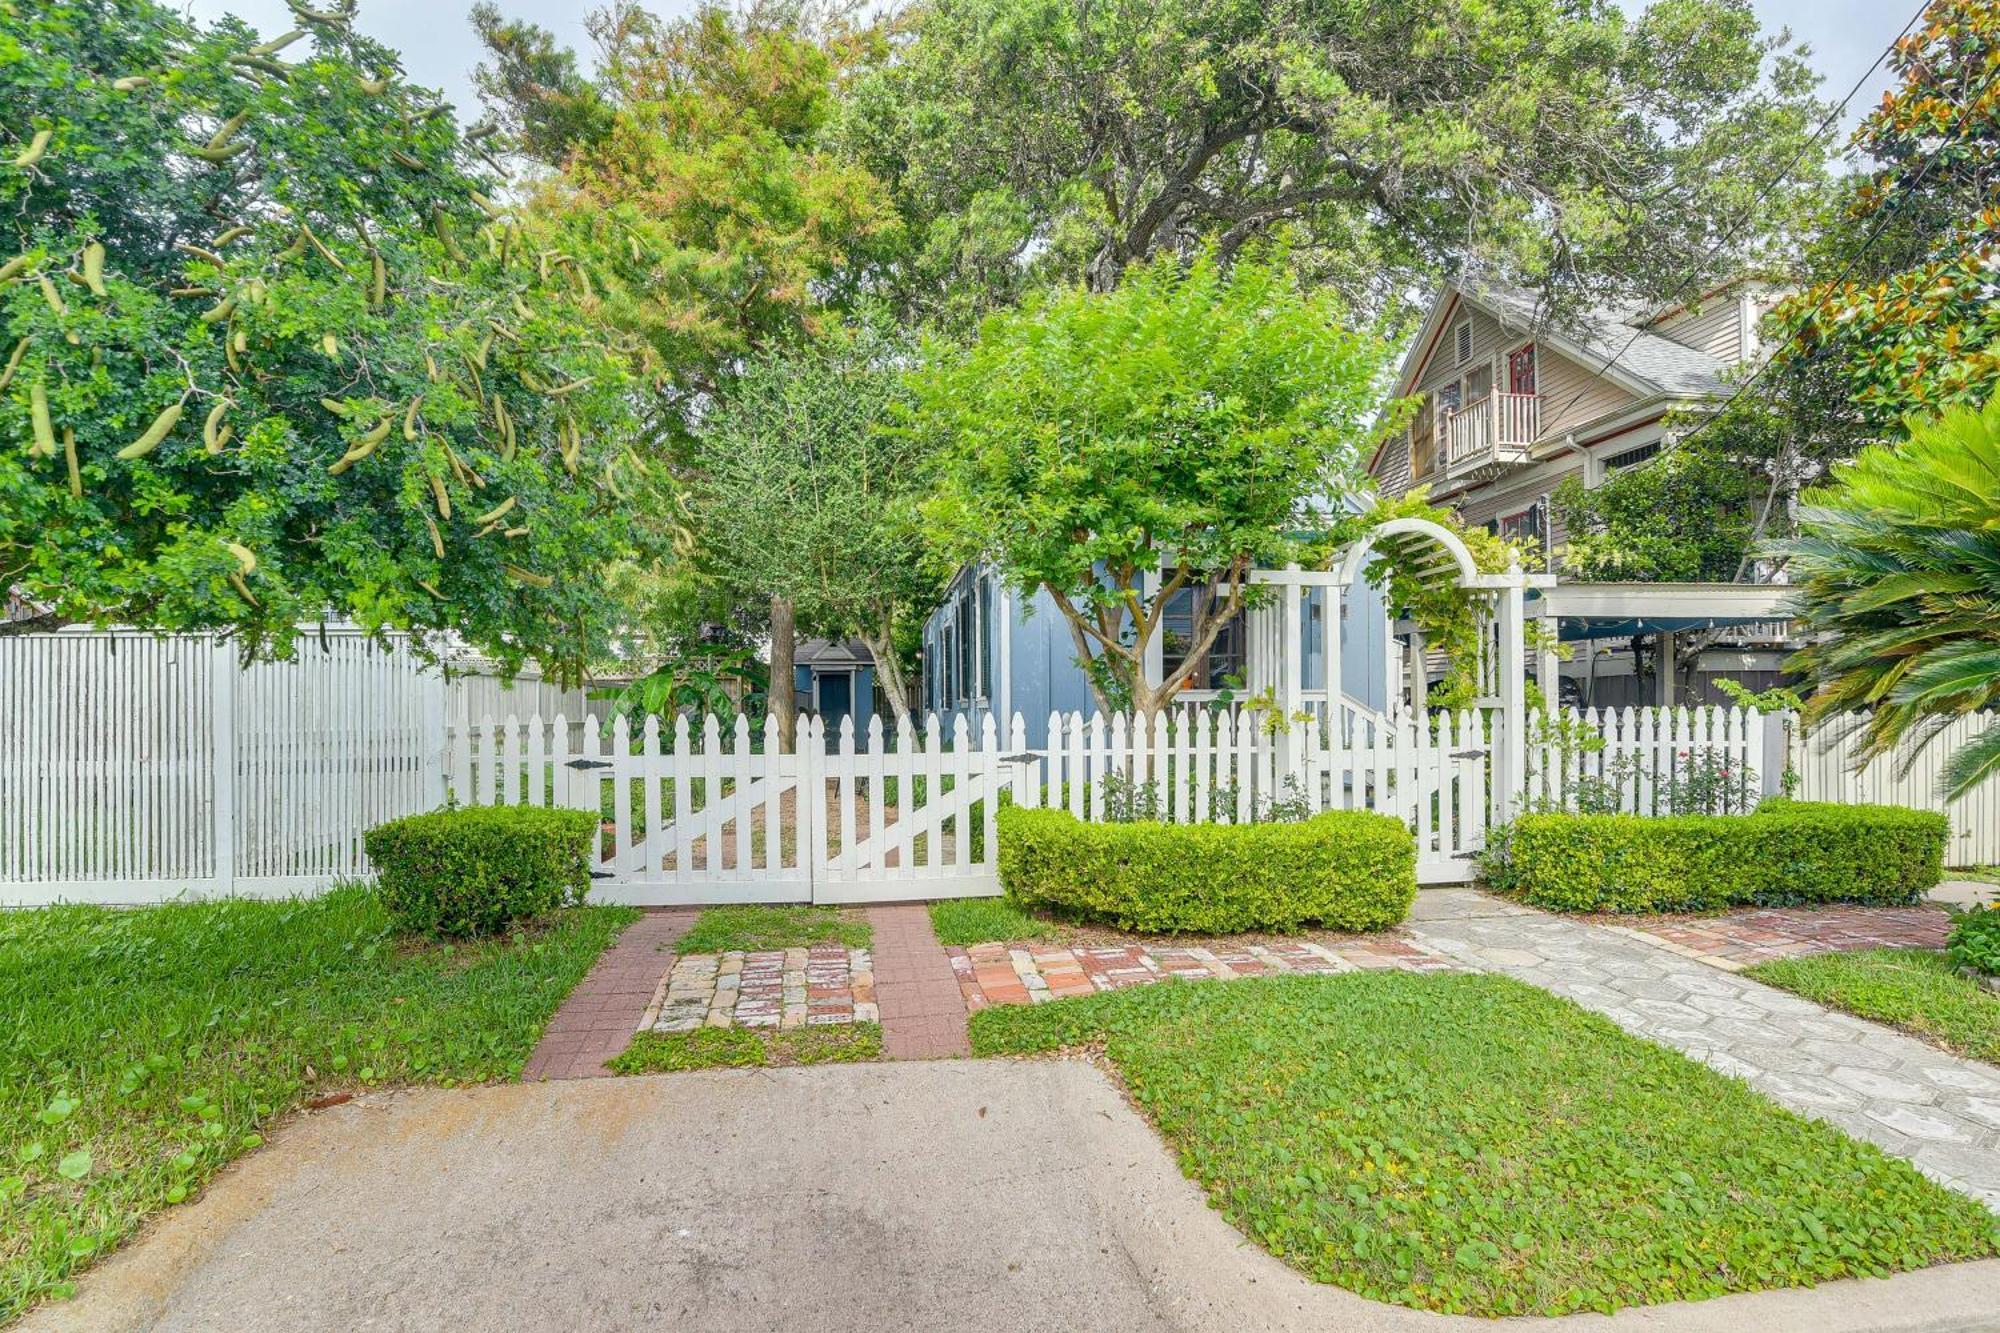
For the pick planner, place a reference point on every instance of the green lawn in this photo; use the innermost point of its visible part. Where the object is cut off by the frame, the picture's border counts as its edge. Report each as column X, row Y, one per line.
column 963, row 921
column 1473, row 1144
column 1913, row 989
column 749, row 1048
column 145, row 1049
column 750, row 928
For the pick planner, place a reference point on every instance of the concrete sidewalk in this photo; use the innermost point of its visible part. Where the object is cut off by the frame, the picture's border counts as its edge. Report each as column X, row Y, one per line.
column 949, row 1194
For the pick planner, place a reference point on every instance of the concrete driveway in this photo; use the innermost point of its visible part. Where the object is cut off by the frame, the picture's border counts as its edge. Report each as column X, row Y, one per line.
column 944, row 1195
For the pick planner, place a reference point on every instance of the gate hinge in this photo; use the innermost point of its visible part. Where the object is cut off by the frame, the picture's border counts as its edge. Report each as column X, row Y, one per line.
column 1025, row 757
column 602, row 874
column 1468, row 754
column 586, row 763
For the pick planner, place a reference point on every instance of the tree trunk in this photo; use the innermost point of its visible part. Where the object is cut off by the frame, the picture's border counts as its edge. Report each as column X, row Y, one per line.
column 894, row 686
column 784, row 651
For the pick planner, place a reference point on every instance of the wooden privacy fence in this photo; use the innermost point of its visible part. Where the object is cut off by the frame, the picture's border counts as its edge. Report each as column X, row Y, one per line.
column 134, row 768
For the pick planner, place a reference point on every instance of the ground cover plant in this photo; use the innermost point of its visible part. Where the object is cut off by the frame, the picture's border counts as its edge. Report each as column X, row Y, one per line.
column 1917, row 990
column 1344, row 869
column 963, row 921
column 146, row 1049
column 1473, row 1144
column 749, row 1048
column 755, row 927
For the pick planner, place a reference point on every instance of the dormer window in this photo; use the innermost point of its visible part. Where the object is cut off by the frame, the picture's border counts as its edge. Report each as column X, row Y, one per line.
column 1462, row 343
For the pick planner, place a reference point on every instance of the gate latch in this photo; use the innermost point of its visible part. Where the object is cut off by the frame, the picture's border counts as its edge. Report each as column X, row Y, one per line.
column 586, row 763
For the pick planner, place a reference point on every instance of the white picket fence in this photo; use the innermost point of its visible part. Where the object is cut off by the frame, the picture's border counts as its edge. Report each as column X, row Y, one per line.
column 136, row 768
column 1643, row 758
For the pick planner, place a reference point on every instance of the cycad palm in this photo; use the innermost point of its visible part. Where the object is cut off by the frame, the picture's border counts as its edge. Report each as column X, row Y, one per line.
column 1898, row 564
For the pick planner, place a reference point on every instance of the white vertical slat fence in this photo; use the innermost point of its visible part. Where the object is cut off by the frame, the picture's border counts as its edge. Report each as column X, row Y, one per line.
column 1826, row 772
column 137, row 768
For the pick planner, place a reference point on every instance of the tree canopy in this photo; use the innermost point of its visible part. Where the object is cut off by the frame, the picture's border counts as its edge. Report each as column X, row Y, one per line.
column 1116, row 448
column 811, row 496
column 1561, row 144
column 271, row 358
column 1896, row 313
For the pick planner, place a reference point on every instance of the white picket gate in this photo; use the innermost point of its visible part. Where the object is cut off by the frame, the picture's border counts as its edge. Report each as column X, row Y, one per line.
column 707, row 813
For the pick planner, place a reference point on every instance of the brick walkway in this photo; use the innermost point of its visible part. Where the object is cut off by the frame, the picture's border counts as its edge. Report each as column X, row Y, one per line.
column 991, row 974
column 599, row 1017
column 923, row 1016
column 778, row 988
column 1736, row 940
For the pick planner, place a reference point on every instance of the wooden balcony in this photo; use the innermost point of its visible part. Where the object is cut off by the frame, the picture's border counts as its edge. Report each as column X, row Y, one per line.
column 1491, row 433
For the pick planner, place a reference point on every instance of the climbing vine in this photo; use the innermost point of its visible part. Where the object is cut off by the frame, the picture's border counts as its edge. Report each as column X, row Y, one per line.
column 1445, row 612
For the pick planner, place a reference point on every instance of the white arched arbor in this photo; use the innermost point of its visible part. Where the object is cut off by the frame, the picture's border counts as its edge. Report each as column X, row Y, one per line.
column 1435, row 554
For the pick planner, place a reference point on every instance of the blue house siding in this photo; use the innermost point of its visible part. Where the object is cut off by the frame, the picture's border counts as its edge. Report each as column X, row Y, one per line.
column 1032, row 658
column 862, row 699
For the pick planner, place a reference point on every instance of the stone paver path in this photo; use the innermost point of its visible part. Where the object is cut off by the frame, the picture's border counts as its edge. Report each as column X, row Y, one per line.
column 598, row 1019
column 777, row 988
column 991, row 974
column 1736, row 940
column 1940, row 1112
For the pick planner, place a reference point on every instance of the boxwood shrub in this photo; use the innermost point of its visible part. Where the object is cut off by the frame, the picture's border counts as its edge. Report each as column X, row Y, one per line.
column 1345, row 869
column 478, row 869
column 1784, row 852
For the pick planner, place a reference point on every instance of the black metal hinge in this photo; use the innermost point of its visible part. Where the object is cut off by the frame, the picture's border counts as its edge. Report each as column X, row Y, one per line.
column 587, row 763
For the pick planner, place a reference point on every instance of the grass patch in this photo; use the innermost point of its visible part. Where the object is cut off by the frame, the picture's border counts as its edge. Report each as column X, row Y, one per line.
column 1916, row 990
column 749, row 1048
column 145, row 1049
column 1984, row 874
column 757, row 927
column 1473, row 1144
column 963, row 921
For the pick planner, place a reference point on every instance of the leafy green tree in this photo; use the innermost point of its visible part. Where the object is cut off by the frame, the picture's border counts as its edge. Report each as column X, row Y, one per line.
column 1558, row 142
column 808, row 496
column 1115, row 448
column 1898, row 569
column 1896, row 312
column 1683, row 517
column 268, row 358
column 693, row 189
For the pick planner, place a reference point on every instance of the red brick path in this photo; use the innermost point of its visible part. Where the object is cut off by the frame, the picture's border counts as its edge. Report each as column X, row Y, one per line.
column 1737, row 940
column 1030, row 974
column 598, row 1019
column 923, row 1017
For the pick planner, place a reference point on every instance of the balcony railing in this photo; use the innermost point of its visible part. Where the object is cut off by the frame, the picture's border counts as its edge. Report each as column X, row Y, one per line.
column 1496, row 428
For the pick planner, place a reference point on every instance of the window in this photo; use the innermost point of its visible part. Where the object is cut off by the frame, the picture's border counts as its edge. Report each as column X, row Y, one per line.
column 1521, row 370
column 967, row 637
column 1225, row 655
column 988, row 608
column 1462, row 343
column 1524, row 525
column 1423, row 441
column 1448, row 399
column 1478, row 384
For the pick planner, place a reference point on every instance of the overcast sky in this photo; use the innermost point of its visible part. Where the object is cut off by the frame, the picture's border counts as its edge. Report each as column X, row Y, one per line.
column 1846, row 37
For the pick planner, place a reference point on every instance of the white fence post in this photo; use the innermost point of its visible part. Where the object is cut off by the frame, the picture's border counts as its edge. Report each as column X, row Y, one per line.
column 222, row 763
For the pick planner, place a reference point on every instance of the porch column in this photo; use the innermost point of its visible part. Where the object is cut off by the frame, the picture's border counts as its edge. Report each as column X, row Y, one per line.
column 1669, row 649
column 1547, row 668
column 1510, row 772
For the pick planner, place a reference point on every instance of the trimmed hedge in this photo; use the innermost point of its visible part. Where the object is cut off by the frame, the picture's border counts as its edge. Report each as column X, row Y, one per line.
column 478, row 869
column 1345, row 869
column 1784, row 852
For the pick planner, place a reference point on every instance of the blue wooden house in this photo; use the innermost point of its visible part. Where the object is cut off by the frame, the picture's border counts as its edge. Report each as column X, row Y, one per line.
column 835, row 679
column 986, row 649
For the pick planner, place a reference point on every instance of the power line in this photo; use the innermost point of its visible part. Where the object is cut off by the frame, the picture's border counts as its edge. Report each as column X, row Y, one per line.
column 1832, row 118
